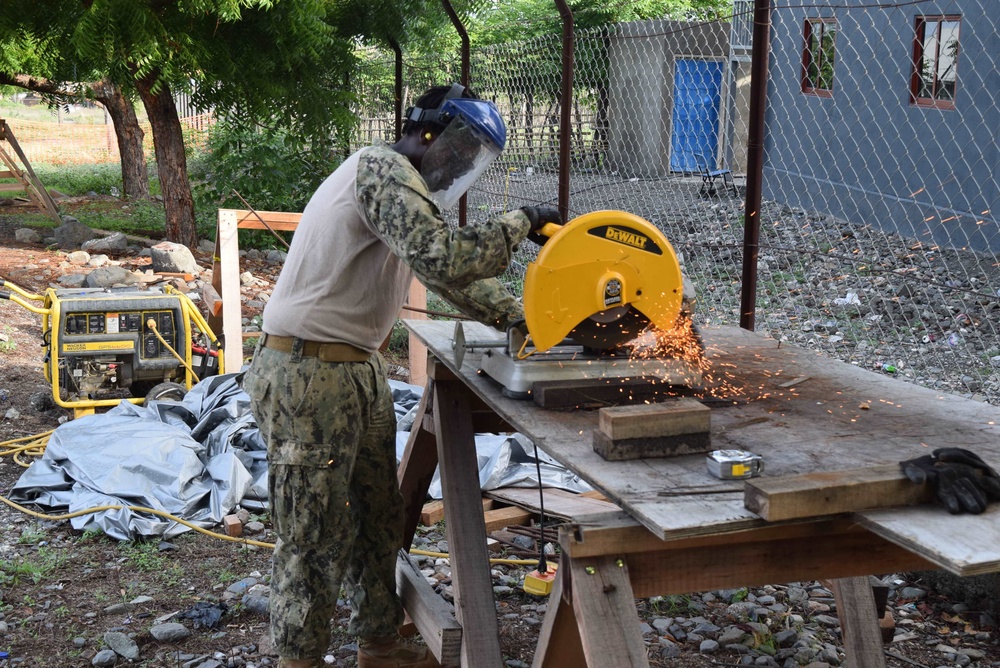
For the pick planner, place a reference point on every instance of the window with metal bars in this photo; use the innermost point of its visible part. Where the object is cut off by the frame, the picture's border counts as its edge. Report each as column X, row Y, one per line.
column 818, row 56
column 935, row 61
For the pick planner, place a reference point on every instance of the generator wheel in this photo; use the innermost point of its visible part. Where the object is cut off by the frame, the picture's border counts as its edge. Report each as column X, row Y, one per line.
column 165, row 392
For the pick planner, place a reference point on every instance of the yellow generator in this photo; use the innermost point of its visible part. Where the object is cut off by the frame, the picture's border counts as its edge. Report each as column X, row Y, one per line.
column 100, row 343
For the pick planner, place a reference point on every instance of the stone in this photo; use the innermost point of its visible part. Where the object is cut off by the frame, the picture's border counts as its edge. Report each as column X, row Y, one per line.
column 79, row 258
column 115, row 242
column 669, row 649
column 708, row 647
column 260, row 605
column 104, row 659
column 72, row 233
column 106, row 277
column 169, row 632
column 26, row 235
column 123, row 646
column 98, row 261
column 72, row 280
column 239, row 588
column 786, row 638
column 175, row 258
column 254, row 527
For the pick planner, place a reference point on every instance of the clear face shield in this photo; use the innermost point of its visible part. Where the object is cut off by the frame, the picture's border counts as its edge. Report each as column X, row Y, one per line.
column 459, row 156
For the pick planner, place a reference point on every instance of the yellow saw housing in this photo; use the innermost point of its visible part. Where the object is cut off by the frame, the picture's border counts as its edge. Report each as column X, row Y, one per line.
column 596, row 266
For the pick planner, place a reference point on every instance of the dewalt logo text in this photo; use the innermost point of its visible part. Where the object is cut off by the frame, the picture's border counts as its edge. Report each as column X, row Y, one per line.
column 625, row 237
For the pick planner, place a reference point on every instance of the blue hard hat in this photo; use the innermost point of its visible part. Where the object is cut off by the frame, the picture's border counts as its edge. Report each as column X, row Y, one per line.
column 482, row 115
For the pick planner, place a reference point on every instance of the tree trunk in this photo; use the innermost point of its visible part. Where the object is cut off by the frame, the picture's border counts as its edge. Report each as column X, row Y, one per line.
column 171, row 162
column 135, row 178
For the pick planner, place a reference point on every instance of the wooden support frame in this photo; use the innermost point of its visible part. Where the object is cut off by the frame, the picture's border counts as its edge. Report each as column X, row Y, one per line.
column 226, row 272
column 30, row 182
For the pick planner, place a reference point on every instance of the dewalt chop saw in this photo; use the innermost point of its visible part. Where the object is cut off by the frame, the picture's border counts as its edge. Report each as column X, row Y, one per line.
column 601, row 283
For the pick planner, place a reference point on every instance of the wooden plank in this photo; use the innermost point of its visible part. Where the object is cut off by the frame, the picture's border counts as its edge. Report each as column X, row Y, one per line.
column 31, row 181
column 11, row 187
column 282, row 221
column 604, row 606
column 433, row 511
column 417, row 466
column 226, row 281
column 211, row 299
column 858, row 622
column 683, row 415
column 432, row 615
column 756, row 563
column 651, row 446
column 506, row 517
column 475, row 608
column 417, row 297
column 558, row 502
column 591, row 392
column 830, row 492
column 963, row 544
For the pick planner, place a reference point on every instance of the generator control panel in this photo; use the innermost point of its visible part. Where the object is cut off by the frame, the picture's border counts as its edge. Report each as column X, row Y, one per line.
column 127, row 322
column 98, row 323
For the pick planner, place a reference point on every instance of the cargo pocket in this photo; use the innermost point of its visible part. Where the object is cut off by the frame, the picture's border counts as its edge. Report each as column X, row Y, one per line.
column 308, row 493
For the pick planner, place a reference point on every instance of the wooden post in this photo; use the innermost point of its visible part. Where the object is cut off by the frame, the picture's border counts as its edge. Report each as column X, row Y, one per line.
column 859, row 622
column 418, row 351
column 475, row 608
column 226, row 281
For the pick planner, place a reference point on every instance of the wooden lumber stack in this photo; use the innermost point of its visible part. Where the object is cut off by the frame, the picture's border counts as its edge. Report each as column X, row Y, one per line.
column 675, row 427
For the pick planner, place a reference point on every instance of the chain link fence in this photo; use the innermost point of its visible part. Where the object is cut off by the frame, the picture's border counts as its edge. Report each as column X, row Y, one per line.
column 878, row 240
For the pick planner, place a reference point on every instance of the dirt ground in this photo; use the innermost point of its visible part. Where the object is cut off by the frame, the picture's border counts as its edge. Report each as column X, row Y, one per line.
column 59, row 586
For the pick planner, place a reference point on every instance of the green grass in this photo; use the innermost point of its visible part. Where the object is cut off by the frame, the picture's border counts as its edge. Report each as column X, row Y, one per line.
column 147, row 558
column 32, row 567
column 7, row 344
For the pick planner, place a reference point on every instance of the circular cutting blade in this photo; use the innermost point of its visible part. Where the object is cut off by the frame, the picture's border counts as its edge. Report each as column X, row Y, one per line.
column 610, row 328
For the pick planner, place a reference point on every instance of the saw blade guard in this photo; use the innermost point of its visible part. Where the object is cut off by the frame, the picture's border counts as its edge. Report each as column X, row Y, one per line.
column 594, row 269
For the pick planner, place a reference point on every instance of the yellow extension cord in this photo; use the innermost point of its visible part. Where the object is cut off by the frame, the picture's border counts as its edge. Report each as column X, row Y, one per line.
column 34, row 446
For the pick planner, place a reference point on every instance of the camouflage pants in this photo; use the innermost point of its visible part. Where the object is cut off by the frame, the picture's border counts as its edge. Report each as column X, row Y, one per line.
column 335, row 502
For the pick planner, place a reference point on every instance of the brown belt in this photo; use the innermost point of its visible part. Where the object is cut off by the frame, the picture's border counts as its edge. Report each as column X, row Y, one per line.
column 326, row 352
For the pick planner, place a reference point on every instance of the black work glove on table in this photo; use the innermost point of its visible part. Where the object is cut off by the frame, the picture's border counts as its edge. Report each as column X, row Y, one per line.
column 962, row 482
column 539, row 217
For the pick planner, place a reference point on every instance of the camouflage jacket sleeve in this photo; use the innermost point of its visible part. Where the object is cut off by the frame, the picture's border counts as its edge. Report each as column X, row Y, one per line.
column 394, row 200
column 487, row 301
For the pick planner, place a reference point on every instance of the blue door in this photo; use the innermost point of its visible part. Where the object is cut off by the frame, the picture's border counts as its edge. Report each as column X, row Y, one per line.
column 695, row 117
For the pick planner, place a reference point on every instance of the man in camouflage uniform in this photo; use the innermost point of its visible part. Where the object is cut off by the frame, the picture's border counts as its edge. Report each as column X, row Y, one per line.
column 318, row 385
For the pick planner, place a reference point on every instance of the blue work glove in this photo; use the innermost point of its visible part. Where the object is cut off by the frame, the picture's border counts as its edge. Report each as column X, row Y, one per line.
column 962, row 482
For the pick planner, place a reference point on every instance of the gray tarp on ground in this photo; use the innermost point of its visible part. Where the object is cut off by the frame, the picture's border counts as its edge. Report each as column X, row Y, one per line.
column 199, row 458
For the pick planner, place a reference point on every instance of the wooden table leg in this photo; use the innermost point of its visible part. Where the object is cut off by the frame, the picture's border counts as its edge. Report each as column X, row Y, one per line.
column 604, row 606
column 595, row 623
column 858, row 621
column 559, row 644
column 475, row 608
column 416, row 467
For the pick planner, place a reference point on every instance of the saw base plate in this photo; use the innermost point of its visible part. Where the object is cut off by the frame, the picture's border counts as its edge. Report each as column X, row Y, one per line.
column 572, row 363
